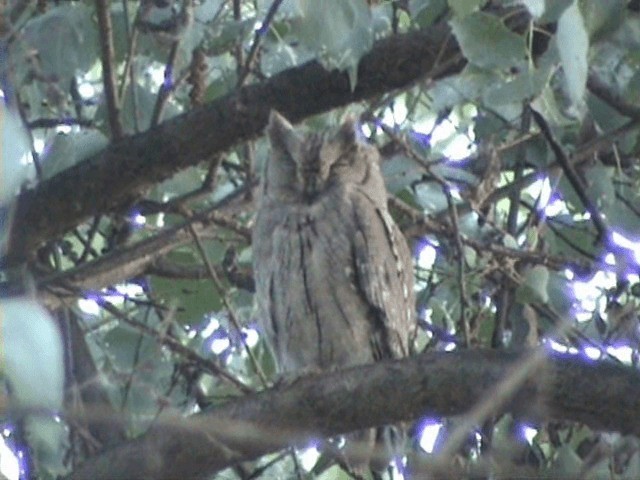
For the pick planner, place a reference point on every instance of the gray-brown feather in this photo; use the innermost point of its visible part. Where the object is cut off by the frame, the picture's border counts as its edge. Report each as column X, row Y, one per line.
column 333, row 272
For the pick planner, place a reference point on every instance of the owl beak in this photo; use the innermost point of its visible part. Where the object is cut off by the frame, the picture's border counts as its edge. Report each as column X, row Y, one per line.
column 311, row 188
column 310, row 183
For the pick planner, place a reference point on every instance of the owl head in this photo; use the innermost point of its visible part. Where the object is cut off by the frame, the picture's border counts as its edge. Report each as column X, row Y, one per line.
column 303, row 165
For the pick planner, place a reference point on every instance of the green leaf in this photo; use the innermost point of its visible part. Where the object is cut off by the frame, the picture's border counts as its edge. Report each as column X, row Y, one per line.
column 340, row 32
column 430, row 197
column 534, row 287
column 552, row 9
column 600, row 188
column 425, row 12
column 230, row 34
column 207, row 10
column 573, row 45
column 601, row 17
column 470, row 256
column 145, row 359
column 536, row 7
column 525, row 85
column 510, row 242
column 65, row 39
column 470, row 84
column 632, row 470
column 14, row 145
column 399, row 172
column 184, row 181
column 31, row 354
column 606, row 117
column 137, row 115
column 569, row 234
column 193, row 299
column 567, row 463
column 486, row 42
column 65, row 150
column 462, row 8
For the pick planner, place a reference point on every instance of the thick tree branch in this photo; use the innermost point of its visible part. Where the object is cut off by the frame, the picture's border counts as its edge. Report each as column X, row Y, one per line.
column 602, row 395
column 127, row 261
column 119, row 175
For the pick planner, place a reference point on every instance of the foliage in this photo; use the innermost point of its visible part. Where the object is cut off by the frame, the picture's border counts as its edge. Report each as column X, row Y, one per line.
column 515, row 176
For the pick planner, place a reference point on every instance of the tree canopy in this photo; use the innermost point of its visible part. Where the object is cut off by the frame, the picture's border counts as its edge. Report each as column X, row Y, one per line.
column 132, row 148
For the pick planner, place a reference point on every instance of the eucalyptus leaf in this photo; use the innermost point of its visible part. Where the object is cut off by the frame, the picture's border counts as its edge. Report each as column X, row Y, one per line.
column 632, row 470
column 193, row 299
column 32, row 357
column 534, row 287
column 603, row 17
column 430, row 197
column 470, row 256
column 14, row 147
column 535, row 7
column 566, row 464
column 600, row 187
column 65, row 150
column 426, row 12
column 229, row 35
column 136, row 115
column 65, row 39
column 525, row 85
column 399, row 172
column 340, row 32
column 553, row 10
column 486, row 42
column 573, row 45
column 561, row 296
column 462, row 8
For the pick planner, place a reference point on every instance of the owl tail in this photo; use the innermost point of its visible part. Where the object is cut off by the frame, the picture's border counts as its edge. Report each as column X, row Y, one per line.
column 373, row 449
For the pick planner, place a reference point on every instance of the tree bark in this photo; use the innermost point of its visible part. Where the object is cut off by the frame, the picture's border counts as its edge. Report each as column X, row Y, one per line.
column 116, row 177
column 537, row 386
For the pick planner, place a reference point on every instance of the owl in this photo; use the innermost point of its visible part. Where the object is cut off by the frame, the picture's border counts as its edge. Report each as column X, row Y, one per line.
column 334, row 275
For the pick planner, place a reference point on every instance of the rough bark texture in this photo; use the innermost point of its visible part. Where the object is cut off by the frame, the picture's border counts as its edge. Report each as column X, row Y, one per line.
column 117, row 176
column 435, row 384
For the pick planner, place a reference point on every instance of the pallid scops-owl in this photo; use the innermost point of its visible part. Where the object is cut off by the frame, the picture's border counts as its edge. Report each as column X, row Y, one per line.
column 334, row 277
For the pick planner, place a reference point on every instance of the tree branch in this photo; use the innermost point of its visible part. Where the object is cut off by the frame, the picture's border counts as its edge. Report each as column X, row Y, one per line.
column 108, row 70
column 127, row 261
column 602, row 395
column 114, row 178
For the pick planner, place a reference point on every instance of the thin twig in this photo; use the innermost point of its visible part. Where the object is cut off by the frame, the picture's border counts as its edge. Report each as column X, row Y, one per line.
column 167, row 86
column 257, row 40
column 175, row 346
column 572, row 176
column 453, row 215
column 108, row 70
column 225, row 301
column 604, row 93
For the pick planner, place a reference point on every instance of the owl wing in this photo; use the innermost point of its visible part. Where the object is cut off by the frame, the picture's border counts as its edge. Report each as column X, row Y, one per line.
column 262, row 243
column 384, row 275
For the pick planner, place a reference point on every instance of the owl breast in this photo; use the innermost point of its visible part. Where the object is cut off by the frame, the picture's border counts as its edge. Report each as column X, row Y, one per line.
column 316, row 315
column 334, row 277
column 334, row 280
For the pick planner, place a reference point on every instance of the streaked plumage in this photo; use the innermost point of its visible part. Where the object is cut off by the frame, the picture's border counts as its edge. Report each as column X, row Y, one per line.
column 333, row 272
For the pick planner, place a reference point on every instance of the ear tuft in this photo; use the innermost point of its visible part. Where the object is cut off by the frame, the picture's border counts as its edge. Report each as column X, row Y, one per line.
column 349, row 131
column 281, row 133
column 277, row 124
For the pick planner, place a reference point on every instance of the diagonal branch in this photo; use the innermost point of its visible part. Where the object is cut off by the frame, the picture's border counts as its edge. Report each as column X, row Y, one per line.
column 602, row 395
column 120, row 174
column 573, row 178
column 108, row 70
